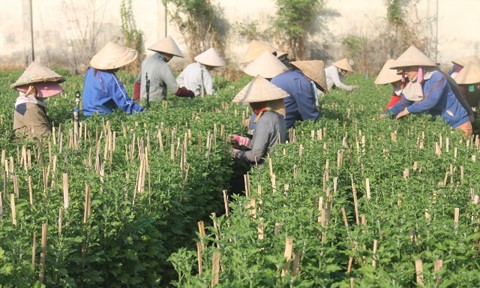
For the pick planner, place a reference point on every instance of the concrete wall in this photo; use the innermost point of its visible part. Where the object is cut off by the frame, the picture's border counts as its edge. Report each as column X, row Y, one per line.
column 69, row 32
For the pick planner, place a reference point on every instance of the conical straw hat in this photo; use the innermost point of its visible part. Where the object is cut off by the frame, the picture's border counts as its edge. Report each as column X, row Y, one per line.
column 465, row 60
column 314, row 70
column 343, row 64
column 256, row 48
column 413, row 57
column 470, row 74
column 267, row 66
column 259, row 90
column 37, row 73
column 167, row 45
column 388, row 75
column 210, row 58
column 113, row 56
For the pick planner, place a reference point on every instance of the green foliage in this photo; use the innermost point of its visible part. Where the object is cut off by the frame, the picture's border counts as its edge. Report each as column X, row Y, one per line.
column 133, row 36
column 201, row 24
column 396, row 11
column 294, row 21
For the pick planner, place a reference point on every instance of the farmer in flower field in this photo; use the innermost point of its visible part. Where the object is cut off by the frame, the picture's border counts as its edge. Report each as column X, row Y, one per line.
column 158, row 72
column 390, row 76
column 268, row 67
column 301, row 83
column 103, row 91
column 459, row 63
column 430, row 91
column 196, row 76
column 256, row 48
column 263, row 98
column 335, row 74
column 35, row 84
column 468, row 79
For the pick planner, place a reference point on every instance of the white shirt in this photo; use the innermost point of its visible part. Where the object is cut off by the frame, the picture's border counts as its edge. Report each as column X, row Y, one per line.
column 334, row 79
column 191, row 78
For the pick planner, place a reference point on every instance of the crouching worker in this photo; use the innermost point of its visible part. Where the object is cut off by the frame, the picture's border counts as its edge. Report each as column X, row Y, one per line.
column 263, row 97
column 103, row 91
column 430, row 91
column 34, row 85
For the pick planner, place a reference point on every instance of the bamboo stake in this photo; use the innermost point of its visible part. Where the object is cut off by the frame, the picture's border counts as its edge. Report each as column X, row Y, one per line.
column 86, row 212
column 216, row 229
column 288, row 255
column 437, row 266
column 215, row 269
column 43, row 252
column 225, row 202
column 34, row 249
column 65, row 191
column 296, row 262
column 344, row 217
column 260, row 230
column 30, row 189
column 13, row 210
column 419, row 272
column 246, row 180
column 201, row 232
column 367, row 187
column 374, row 258
column 350, row 260
column 278, row 228
column 15, row 185
column 355, row 200
column 456, row 218
column 1, row 205
column 199, row 258
column 60, row 220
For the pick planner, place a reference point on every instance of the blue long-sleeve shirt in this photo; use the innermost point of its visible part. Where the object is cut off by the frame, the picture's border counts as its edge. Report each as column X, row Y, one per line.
column 104, row 92
column 438, row 99
column 301, row 103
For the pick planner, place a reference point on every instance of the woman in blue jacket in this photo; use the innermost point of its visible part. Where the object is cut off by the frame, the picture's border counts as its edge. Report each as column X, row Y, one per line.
column 430, row 91
column 103, row 91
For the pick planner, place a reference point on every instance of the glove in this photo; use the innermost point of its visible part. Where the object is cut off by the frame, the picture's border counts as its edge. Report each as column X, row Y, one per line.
column 184, row 92
column 136, row 91
column 235, row 153
column 241, row 141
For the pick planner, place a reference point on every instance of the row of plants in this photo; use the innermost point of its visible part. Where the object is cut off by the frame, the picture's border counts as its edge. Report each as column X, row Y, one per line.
column 105, row 204
column 352, row 200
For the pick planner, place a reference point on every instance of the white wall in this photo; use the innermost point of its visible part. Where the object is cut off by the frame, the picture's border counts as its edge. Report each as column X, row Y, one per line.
column 59, row 24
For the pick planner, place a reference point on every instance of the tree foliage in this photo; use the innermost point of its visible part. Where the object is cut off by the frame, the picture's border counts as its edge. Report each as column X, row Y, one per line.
column 201, row 24
column 295, row 20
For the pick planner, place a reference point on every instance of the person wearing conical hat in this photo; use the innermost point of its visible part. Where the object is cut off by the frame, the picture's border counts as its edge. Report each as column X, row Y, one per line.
column 459, row 63
column 155, row 68
column 390, row 76
column 335, row 74
column 468, row 79
column 270, row 125
column 256, row 48
column 430, row 91
column 301, row 83
column 196, row 76
column 35, row 84
column 267, row 66
column 103, row 91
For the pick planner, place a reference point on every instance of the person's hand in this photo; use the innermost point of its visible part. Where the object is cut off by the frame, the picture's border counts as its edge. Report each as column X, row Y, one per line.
column 381, row 116
column 402, row 114
column 240, row 141
column 235, row 153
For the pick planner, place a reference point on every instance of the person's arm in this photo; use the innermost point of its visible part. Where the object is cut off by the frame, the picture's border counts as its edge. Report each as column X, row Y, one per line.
column 119, row 95
column 338, row 82
column 433, row 91
column 258, row 144
column 172, row 85
column 207, row 82
column 399, row 107
column 306, row 102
